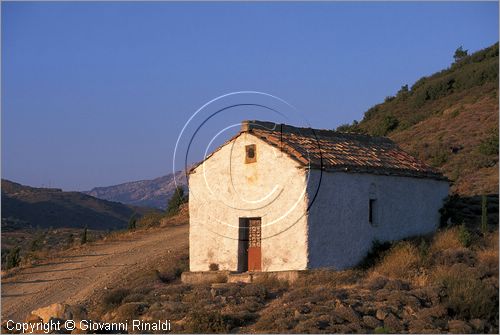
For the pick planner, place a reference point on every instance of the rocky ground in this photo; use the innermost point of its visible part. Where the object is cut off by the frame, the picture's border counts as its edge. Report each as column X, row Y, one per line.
column 425, row 285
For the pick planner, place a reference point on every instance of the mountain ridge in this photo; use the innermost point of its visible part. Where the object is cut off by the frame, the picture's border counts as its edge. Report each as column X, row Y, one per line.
column 29, row 207
column 153, row 193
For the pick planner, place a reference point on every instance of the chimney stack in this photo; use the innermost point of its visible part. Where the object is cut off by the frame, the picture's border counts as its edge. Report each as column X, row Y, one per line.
column 248, row 125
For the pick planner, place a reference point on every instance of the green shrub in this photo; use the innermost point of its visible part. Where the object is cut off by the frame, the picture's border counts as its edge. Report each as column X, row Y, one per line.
column 460, row 54
column 386, row 125
column 439, row 157
column 37, row 242
column 176, row 201
column 344, row 128
column 132, row 222
column 13, row 258
column 464, row 236
column 489, row 146
column 349, row 128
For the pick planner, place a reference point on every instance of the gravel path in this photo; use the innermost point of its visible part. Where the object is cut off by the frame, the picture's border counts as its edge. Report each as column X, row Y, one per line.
column 75, row 275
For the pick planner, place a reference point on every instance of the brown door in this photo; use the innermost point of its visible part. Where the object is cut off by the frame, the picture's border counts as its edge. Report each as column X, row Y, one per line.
column 254, row 245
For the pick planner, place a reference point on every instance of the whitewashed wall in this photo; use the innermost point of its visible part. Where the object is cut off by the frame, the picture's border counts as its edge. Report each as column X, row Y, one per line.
column 224, row 189
column 339, row 232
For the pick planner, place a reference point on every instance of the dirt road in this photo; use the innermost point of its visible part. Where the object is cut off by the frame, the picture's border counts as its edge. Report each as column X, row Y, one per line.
column 75, row 275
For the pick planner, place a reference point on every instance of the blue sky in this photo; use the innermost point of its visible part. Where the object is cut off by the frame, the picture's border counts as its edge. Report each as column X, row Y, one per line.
column 95, row 94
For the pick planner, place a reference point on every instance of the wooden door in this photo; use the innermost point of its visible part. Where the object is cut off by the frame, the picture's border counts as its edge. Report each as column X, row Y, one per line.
column 254, row 245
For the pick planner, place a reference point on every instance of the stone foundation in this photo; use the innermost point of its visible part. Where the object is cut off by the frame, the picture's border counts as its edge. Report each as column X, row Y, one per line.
column 210, row 277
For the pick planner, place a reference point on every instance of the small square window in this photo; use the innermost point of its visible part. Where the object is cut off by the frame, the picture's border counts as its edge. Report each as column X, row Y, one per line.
column 250, row 154
column 372, row 212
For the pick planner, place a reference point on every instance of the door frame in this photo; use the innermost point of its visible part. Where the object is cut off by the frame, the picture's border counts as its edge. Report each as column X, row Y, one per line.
column 244, row 244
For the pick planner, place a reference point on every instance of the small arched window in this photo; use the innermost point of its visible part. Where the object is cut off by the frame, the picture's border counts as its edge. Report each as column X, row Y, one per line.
column 372, row 205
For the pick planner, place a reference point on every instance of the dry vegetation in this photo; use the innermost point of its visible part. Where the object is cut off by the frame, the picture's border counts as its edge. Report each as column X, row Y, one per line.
column 446, row 282
column 425, row 284
column 40, row 244
column 449, row 120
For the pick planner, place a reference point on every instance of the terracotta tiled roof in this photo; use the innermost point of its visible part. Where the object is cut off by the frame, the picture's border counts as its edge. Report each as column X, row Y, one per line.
column 335, row 151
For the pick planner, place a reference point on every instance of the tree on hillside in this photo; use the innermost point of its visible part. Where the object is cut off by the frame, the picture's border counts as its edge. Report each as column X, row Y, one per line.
column 460, row 54
column 404, row 89
column 84, row 236
column 132, row 222
column 176, row 201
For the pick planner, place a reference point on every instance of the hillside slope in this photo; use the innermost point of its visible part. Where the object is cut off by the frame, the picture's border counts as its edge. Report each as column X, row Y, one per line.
column 149, row 193
column 448, row 119
column 24, row 207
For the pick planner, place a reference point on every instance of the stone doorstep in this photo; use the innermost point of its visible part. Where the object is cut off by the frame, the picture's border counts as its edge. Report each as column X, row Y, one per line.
column 209, row 277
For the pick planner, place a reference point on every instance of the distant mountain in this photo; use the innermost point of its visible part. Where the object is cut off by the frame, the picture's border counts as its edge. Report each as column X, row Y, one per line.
column 25, row 207
column 148, row 193
column 448, row 119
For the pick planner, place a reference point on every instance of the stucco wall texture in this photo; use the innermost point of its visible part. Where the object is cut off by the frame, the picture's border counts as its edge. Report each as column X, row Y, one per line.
column 224, row 189
column 339, row 230
column 334, row 233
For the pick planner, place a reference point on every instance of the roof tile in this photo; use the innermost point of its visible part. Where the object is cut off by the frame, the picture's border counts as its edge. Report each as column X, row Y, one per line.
column 332, row 150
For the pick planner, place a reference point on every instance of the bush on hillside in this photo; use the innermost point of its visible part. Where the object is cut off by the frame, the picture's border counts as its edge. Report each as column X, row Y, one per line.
column 132, row 222
column 489, row 146
column 400, row 262
column 464, row 236
column 466, row 294
column 409, row 106
column 150, row 219
column 203, row 321
column 37, row 242
column 176, row 201
column 388, row 124
column 13, row 258
column 445, row 239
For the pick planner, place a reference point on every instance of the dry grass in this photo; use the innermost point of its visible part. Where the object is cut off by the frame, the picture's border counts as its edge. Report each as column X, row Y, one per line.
column 469, row 169
column 446, row 239
column 488, row 261
column 466, row 294
column 433, row 276
column 401, row 262
column 272, row 285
